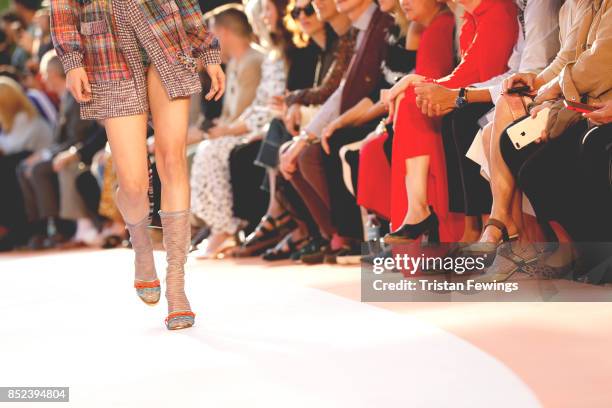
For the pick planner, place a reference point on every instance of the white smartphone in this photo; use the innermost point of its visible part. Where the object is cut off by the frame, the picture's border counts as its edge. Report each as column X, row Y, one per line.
column 528, row 130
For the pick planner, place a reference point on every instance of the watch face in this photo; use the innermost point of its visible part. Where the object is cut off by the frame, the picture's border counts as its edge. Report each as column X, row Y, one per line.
column 460, row 102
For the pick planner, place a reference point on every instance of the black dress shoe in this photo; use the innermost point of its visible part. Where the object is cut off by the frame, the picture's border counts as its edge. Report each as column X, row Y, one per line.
column 408, row 233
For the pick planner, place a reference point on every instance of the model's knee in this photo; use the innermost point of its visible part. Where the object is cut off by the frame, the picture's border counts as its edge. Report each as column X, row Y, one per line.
column 134, row 189
column 171, row 165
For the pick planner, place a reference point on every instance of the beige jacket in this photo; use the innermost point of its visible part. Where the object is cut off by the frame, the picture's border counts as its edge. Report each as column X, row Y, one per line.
column 570, row 18
column 590, row 74
column 243, row 77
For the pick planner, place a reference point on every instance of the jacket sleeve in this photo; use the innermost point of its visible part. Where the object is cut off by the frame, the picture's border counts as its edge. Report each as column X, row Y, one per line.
column 319, row 94
column 65, row 33
column 570, row 18
column 206, row 45
column 590, row 73
column 490, row 50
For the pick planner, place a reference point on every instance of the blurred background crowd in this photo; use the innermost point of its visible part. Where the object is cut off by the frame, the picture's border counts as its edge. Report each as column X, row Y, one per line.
column 344, row 121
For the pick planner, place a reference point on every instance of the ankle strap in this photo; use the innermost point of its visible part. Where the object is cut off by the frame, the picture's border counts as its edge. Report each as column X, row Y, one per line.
column 499, row 225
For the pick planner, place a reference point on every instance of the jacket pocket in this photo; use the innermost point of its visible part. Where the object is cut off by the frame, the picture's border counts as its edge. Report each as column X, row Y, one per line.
column 103, row 61
column 94, row 27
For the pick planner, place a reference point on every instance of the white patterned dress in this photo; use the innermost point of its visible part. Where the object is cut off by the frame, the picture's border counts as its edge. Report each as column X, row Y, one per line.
column 211, row 191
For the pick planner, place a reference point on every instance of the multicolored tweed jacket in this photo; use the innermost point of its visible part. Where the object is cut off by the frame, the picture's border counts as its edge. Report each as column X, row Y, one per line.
column 84, row 31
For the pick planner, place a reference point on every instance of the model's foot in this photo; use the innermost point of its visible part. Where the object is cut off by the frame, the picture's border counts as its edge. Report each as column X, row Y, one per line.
column 146, row 282
column 176, row 238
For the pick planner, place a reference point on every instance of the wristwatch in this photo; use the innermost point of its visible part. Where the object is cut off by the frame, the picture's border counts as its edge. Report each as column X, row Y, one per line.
column 461, row 100
column 305, row 137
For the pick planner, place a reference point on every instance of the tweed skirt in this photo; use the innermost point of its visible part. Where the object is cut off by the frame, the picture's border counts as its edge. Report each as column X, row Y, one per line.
column 140, row 48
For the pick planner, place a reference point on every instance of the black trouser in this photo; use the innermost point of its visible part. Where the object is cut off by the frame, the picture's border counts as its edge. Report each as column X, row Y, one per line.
column 345, row 213
column 12, row 212
column 90, row 192
column 561, row 187
column 250, row 201
column 468, row 191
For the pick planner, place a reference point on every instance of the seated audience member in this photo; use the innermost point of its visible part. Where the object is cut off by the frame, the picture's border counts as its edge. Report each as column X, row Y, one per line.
column 41, row 42
column 302, row 161
column 537, row 45
column 559, row 184
column 419, row 188
column 71, row 166
column 506, row 219
column 336, row 42
column 39, row 97
column 22, row 132
column 210, row 181
column 22, row 25
column 243, row 66
column 37, row 178
column 349, row 129
column 5, row 52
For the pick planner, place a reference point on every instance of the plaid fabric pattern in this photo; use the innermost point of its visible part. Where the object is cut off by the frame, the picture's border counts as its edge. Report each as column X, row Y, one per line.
column 138, row 47
column 84, row 33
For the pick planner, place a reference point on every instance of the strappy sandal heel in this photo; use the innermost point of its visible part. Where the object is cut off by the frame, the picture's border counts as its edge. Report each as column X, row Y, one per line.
column 279, row 252
column 263, row 237
column 148, row 291
column 180, row 319
column 487, row 250
column 509, row 261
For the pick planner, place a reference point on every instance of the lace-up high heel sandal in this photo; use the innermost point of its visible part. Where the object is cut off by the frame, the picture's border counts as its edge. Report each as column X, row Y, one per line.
column 146, row 282
column 176, row 239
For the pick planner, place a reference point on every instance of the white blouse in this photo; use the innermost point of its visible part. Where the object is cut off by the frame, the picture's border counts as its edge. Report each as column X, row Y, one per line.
column 537, row 44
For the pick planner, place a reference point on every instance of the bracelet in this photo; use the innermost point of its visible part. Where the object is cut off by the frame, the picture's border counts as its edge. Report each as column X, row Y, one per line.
column 305, row 137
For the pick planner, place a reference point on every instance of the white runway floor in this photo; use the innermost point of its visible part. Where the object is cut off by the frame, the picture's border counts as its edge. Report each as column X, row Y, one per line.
column 74, row 320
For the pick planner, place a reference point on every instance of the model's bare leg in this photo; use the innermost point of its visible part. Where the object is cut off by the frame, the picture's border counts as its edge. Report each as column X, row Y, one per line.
column 126, row 136
column 170, row 122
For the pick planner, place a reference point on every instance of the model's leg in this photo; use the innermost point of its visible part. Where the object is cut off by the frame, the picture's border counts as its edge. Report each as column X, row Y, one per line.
column 170, row 121
column 126, row 135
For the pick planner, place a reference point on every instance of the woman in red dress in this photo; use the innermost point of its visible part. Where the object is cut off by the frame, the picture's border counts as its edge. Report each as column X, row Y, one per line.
column 487, row 38
column 435, row 57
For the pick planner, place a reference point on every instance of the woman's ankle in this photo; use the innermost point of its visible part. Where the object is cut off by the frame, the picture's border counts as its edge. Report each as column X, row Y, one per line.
column 416, row 214
column 493, row 234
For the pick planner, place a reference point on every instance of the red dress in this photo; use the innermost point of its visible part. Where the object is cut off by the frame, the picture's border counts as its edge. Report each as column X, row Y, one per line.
column 435, row 58
column 374, row 180
column 486, row 42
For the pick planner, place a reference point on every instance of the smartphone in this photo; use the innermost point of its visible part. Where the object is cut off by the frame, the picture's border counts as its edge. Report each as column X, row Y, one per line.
column 528, row 130
column 579, row 107
column 519, row 90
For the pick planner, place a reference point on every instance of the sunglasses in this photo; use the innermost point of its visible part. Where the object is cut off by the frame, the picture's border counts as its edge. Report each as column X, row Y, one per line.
column 308, row 10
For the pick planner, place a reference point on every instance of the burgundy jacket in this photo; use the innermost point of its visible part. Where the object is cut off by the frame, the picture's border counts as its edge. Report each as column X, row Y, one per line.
column 365, row 69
